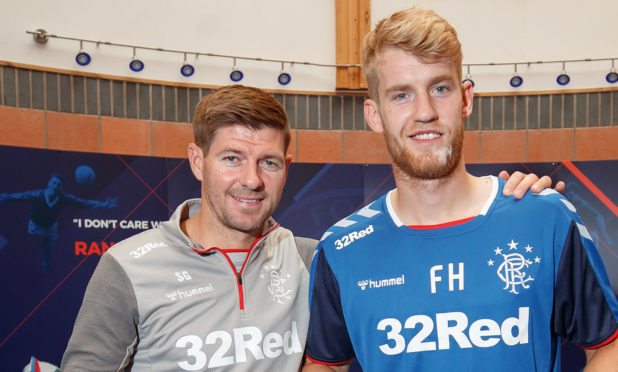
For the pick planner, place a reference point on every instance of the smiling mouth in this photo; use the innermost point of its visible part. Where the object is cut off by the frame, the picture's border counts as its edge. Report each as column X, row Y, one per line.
column 426, row 136
column 251, row 200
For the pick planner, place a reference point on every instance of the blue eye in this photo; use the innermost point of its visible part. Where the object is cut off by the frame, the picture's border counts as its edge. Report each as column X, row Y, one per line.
column 270, row 164
column 441, row 90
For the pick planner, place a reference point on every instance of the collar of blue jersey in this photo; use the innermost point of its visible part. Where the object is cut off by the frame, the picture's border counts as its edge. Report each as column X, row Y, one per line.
column 495, row 185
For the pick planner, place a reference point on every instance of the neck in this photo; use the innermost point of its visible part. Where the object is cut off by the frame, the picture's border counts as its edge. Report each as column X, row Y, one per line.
column 431, row 202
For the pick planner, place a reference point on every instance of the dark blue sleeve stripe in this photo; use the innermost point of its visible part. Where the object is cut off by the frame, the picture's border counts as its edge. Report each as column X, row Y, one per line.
column 582, row 313
column 328, row 341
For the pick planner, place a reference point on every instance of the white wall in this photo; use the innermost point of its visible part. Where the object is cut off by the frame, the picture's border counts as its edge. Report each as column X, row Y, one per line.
column 277, row 29
column 303, row 30
column 528, row 30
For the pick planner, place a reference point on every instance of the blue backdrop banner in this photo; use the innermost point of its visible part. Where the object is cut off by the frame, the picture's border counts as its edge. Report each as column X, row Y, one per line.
column 62, row 210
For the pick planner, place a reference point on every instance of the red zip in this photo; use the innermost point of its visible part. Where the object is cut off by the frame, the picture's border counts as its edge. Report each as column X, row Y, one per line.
column 238, row 275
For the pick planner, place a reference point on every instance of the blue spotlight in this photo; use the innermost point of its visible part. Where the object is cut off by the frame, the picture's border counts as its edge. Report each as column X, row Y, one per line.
column 236, row 75
column 284, row 78
column 516, row 81
column 82, row 58
column 563, row 79
column 187, row 70
column 136, row 65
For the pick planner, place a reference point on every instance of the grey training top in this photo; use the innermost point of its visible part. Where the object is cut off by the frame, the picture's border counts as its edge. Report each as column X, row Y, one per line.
column 157, row 302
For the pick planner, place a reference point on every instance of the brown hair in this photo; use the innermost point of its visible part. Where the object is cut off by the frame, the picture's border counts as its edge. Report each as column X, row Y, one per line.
column 415, row 30
column 237, row 104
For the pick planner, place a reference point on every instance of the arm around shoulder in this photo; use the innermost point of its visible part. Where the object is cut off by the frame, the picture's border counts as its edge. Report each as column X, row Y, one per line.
column 105, row 332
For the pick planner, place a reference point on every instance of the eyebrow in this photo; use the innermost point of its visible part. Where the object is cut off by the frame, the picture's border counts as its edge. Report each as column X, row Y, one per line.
column 404, row 87
column 232, row 150
column 442, row 78
column 397, row 88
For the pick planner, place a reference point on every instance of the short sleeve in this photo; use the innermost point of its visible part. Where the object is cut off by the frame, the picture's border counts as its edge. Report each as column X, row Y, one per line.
column 585, row 308
column 328, row 341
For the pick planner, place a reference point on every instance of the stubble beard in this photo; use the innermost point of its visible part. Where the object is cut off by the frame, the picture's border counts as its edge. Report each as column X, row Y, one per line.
column 228, row 219
column 429, row 165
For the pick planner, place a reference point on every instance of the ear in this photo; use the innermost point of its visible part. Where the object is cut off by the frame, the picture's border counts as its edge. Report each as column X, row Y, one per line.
column 288, row 161
column 372, row 114
column 467, row 94
column 195, row 156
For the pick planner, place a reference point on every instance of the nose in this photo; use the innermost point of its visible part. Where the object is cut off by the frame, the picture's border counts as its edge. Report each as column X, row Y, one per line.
column 251, row 177
column 425, row 110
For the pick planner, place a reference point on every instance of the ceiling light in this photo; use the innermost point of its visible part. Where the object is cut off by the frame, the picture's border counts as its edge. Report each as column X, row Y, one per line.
column 284, row 78
column 136, row 65
column 563, row 78
column 82, row 58
column 236, row 74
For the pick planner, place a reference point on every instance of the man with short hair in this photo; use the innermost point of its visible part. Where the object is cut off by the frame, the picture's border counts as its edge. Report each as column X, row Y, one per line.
column 445, row 273
column 220, row 286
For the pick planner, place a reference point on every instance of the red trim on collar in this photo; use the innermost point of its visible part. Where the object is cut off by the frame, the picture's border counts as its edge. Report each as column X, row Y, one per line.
column 236, row 250
column 441, row 225
column 202, row 251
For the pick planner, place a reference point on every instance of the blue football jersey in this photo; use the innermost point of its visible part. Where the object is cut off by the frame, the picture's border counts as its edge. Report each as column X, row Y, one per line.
column 495, row 293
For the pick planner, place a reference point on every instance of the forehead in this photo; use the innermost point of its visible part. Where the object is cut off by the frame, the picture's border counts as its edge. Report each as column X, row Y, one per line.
column 396, row 65
column 243, row 138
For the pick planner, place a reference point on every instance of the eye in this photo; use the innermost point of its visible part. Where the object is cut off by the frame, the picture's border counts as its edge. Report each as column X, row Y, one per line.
column 271, row 165
column 401, row 96
column 230, row 159
column 441, row 89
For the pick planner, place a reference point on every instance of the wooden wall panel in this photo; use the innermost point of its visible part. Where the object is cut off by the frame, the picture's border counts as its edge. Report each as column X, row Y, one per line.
column 353, row 21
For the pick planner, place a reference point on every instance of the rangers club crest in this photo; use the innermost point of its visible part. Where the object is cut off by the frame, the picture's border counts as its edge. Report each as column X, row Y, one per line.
column 513, row 265
column 277, row 284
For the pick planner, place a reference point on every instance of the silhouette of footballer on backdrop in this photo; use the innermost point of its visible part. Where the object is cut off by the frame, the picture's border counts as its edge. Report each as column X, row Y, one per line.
column 46, row 205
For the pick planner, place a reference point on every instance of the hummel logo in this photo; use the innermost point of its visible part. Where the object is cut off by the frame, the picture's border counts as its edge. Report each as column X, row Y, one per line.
column 368, row 283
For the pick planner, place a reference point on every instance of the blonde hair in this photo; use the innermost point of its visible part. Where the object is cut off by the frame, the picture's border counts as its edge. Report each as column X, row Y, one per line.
column 419, row 31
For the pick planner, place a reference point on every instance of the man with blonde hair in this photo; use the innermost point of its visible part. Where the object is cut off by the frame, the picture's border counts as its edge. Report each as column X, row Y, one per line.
column 444, row 273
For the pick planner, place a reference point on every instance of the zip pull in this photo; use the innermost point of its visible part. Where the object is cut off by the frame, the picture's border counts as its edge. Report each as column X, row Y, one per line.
column 239, row 278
